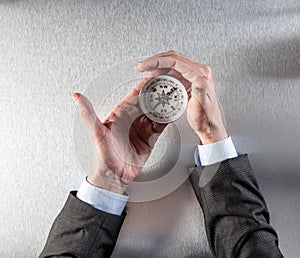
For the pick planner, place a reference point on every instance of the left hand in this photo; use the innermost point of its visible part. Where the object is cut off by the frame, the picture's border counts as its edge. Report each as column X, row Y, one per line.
column 122, row 142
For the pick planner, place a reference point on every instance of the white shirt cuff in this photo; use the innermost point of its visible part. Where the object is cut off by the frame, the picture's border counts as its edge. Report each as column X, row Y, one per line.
column 215, row 152
column 101, row 199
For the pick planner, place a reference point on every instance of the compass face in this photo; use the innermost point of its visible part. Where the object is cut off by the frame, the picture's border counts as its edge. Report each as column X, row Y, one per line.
column 163, row 99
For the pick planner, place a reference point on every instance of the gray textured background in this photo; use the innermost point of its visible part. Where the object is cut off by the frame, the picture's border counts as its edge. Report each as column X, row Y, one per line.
column 49, row 49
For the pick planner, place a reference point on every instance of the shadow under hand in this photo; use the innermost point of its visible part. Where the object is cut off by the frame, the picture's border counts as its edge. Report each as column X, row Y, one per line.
column 163, row 156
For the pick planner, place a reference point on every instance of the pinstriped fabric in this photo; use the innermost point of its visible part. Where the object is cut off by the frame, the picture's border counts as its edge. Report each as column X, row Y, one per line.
column 236, row 214
column 82, row 231
column 236, row 218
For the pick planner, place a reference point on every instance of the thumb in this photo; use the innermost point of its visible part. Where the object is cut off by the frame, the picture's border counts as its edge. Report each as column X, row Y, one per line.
column 88, row 115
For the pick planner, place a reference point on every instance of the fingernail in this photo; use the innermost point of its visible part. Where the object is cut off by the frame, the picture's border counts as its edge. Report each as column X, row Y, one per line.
column 76, row 96
column 138, row 65
column 146, row 74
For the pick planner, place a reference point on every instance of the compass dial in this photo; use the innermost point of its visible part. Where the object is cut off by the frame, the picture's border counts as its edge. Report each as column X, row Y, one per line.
column 163, row 99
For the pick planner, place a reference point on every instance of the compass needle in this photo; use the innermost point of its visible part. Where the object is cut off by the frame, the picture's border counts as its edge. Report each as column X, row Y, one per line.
column 172, row 91
column 165, row 88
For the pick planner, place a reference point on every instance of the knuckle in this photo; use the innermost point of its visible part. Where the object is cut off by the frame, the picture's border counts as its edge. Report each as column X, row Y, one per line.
column 206, row 72
column 207, row 69
column 173, row 52
column 205, row 77
column 202, row 81
column 201, row 77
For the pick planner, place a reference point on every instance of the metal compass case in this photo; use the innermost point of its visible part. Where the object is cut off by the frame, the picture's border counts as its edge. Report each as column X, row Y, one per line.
column 163, row 99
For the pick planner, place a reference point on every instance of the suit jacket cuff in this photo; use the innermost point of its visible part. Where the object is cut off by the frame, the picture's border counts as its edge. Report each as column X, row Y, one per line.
column 83, row 231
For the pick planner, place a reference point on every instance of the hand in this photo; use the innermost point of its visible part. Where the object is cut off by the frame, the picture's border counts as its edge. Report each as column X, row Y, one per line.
column 122, row 142
column 203, row 112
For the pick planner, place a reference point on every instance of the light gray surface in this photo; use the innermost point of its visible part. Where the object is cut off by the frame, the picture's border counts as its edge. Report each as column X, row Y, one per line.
column 49, row 49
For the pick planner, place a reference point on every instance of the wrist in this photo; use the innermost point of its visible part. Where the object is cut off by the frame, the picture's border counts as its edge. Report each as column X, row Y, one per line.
column 213, row 135
column 108, row 180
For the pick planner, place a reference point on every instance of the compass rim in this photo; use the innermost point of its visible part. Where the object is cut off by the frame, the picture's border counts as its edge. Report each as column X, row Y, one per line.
column 145, row 109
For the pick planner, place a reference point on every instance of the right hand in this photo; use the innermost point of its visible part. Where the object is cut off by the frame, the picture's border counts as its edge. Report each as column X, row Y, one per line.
column 203, row 112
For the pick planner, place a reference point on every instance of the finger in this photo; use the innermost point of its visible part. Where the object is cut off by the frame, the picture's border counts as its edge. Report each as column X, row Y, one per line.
column 141, row 146
column 178, row 76
column 143, row 125
column 86, row 109
column 145, row 128
column 127, row 103
column 173, row 73
column 177, row 62
column 131, row 97
column 88, row 115
column 183, row 57
column 155, row 62
column 189, row 92
column 158, row 128
column 159, row 71
column 167, row 54
column 189, row 69
column 139, row 134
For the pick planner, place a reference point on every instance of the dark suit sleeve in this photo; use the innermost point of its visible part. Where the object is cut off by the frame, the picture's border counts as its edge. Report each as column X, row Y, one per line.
column 82, row 231
column 235, row 212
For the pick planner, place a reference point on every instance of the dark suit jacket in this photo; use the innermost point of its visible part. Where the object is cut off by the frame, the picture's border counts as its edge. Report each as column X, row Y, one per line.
column 236, row 218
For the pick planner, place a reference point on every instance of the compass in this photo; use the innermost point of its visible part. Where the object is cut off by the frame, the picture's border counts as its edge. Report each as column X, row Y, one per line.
column 163, row 99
